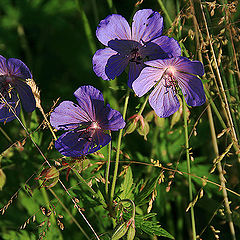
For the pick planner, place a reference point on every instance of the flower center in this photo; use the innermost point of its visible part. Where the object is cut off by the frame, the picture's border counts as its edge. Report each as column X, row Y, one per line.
column 94, row 126
column 169, row 81
column 135, row 56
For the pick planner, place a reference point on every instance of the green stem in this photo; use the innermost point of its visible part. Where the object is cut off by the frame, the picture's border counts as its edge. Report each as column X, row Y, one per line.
column 69, row 213
column 165, row 12
column 189, row 168
column 118, row 147
column 143, row 106
column 87, row 27
column 108, row 166
column 6, row 136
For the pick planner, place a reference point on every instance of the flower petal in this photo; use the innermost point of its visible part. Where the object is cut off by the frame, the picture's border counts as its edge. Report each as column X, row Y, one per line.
column 76, row 144
column 90, row 100
column 116, row 65
column 68, row 115
column 99, row 61
column 26, row 96
column 111, row 119
column 3, row 66
column 113, row 27
column 146, row 80
column 163, row 100
column 169, row 46
column 134, row 71
column 147, row 25
column 192, row 89
column 185, row 65
column 6, row 114
column 18, row 69
column 124, row 47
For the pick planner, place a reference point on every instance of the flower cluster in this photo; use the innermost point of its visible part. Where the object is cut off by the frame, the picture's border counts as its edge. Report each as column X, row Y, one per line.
column 131, row 46
column 13, row 88
column 154, row 60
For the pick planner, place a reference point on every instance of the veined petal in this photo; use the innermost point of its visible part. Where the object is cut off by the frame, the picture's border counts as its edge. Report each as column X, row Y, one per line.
column 99, row 61
column 6, row 114
column 68, row 115
column 111, row 119
column 146, row 80
column 147, row 25
column 3, row 66
column 90, row 100
column 116, row 65
column 192, row 89
column 183, row 64
column 163, row 100
column 113, row 27
column 75, row 144
column 134, row 71
column 25, row 94
column 169, row 46
column 18, row 69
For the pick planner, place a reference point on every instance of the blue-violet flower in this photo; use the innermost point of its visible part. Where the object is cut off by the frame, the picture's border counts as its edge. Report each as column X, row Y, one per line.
column 85, row 123
column 131, row 46
column 13, row 73
column 168, row 75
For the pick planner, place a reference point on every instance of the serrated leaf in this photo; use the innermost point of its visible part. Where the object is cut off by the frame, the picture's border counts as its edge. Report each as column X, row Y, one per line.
column 126, row 186
column 150, row 227
column 153, row 228
column 147, row 190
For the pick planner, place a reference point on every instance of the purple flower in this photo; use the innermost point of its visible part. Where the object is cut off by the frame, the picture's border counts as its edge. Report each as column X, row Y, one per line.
column 13, row 73
column 131, row 46
column 85, row 123
column 168, row 75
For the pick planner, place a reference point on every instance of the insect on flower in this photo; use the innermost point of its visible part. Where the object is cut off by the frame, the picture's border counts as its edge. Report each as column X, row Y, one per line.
column 131, row 46
column 85, row 123
column 169, row 76
column 13, row 88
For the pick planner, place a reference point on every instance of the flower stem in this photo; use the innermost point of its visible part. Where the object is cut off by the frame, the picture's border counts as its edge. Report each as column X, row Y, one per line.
column 108, row 166
column 143, row 106
column 118, row 147
column 189, row 169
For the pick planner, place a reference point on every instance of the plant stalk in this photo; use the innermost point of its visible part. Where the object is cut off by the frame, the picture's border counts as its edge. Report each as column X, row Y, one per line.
column 189, row 169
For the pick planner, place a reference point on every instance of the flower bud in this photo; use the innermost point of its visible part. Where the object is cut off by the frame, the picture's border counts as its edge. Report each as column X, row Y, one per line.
column 49, row 176
column 120, row 232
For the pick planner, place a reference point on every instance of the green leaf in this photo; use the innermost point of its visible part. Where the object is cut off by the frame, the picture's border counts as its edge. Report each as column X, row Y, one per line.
column 2, row 179
column 150, row 227
column 126, row 186
column 153, row 228
column 147, row 190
